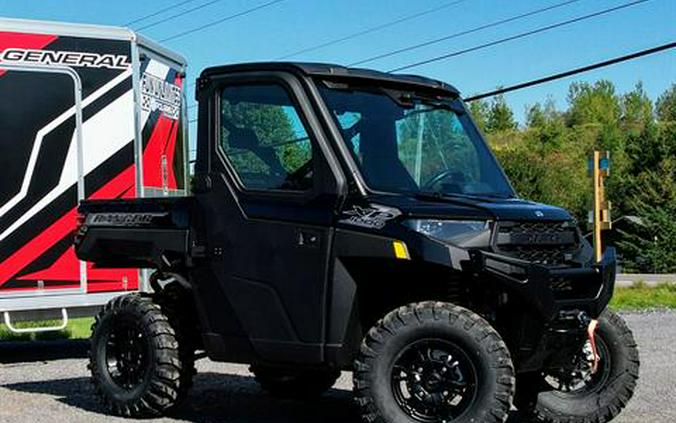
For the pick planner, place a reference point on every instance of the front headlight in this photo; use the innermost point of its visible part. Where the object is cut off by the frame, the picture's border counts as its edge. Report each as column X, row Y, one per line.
column 457, row 232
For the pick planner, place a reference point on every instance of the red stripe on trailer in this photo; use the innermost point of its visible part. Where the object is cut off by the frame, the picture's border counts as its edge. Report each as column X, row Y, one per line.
column 37, row 246
column 67, row 268
column 164, row 135
column 170, row 152
column 46, row 288
column 22, row 40
column 115, row 285
column 60, row 229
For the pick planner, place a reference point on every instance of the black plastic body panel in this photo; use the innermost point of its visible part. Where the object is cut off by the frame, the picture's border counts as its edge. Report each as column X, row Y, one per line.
column 144, row 233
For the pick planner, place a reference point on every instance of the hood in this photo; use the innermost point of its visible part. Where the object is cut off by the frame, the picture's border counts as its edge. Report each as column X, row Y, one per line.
column 446, row 207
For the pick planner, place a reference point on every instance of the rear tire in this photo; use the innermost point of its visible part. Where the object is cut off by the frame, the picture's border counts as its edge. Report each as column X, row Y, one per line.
column 433, row 362
column 301, row 384
column 600, row 397
column 136, row 362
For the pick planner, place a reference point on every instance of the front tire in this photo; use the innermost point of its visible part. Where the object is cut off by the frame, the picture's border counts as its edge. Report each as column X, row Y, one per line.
column 433, row 362
column 595, row 398
column 137, row 366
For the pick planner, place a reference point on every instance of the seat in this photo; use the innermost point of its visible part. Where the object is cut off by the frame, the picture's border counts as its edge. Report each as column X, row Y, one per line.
column 246, row 139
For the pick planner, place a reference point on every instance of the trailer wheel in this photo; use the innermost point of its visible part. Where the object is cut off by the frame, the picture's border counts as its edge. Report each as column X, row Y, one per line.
column 580, row 396
column 135, row 360
column 433, row 362
column 301, row 384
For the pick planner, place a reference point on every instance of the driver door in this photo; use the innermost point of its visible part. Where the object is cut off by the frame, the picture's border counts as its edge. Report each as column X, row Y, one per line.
column 270, row 212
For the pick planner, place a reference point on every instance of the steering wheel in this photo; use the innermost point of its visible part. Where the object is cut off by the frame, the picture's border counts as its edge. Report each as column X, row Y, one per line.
column 294, row 180
column 438, row 178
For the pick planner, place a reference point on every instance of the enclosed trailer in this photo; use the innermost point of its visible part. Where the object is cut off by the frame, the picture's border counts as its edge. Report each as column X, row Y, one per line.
column 86, row 112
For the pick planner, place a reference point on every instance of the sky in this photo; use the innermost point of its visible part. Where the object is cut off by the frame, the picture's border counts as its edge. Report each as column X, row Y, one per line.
column 287, row 26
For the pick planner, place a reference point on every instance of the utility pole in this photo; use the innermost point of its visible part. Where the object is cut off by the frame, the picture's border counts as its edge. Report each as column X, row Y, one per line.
column 600, row 169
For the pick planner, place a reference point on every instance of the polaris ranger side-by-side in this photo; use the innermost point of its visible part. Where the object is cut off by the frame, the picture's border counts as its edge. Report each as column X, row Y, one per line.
column 346, row 219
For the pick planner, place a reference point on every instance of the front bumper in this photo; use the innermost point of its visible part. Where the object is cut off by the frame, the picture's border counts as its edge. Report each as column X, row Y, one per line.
column 563, row 300
column 551, row 291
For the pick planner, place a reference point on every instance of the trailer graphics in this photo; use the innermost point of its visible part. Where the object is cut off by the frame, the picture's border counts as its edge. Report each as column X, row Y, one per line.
column 66, row 58
column 38, row 199
column 72, row 128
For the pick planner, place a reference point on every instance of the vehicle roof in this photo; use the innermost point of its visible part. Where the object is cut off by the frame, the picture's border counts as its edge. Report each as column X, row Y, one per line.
column 333, row 71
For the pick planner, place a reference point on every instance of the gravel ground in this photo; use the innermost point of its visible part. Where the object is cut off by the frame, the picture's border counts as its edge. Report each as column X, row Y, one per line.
column 56, row 389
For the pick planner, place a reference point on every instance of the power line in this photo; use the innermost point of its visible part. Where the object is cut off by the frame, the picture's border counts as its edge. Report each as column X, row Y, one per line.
column 561, row 75
column 159, row 12
column 219, row 21
column 371, row 29
column 178, row 15
column 461, row 33
column 518, row 36
column 576, row 71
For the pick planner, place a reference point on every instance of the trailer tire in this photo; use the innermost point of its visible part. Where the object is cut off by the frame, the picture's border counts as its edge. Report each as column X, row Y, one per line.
column 433, row 361
column 135, row 359
column 297, row 384
column 606, row 393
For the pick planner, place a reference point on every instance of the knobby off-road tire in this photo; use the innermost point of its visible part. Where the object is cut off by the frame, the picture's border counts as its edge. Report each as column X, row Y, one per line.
column 300, row 384
column 603, row 395
column 433, row 362
column 137, row 365
column 175, row 302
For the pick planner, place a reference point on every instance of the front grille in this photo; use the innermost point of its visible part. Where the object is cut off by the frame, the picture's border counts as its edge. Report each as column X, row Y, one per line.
column 548, row 243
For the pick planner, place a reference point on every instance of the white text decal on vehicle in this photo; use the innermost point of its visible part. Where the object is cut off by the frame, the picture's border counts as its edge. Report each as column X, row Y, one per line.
column 375, row 216
column 122, row 219
column 159, row 94
column 66, row 58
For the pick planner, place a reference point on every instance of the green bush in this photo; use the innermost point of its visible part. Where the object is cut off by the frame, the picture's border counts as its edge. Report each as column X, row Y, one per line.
column 546, row 161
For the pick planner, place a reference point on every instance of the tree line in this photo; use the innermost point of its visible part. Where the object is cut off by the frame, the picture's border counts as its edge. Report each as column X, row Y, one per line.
column 546, row 160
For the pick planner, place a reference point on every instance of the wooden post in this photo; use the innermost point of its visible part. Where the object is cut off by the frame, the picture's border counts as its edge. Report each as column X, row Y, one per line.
column 596, row 175
column 601, row 213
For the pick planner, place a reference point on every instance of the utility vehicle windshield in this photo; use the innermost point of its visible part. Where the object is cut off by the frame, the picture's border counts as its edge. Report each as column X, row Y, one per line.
column 403, row 144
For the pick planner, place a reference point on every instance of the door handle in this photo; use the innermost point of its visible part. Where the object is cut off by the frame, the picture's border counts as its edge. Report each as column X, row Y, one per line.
column 305, row 238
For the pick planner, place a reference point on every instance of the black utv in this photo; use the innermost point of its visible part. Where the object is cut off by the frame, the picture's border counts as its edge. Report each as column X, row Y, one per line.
column 351, row 220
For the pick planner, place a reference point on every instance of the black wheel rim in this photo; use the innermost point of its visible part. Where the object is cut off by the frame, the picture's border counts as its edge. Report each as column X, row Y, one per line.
column 434, row 380
column 581, row 380
column 127, row 355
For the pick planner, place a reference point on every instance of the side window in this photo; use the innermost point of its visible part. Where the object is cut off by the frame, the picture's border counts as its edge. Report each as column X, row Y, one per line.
column 264, row 138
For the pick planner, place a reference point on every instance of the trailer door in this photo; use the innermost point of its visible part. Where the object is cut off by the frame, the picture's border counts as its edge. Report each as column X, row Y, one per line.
column 163, row 148
column 40, row 137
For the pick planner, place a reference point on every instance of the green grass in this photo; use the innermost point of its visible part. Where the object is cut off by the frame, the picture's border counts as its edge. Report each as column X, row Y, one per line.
column 641, row 297
column 77, row 329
